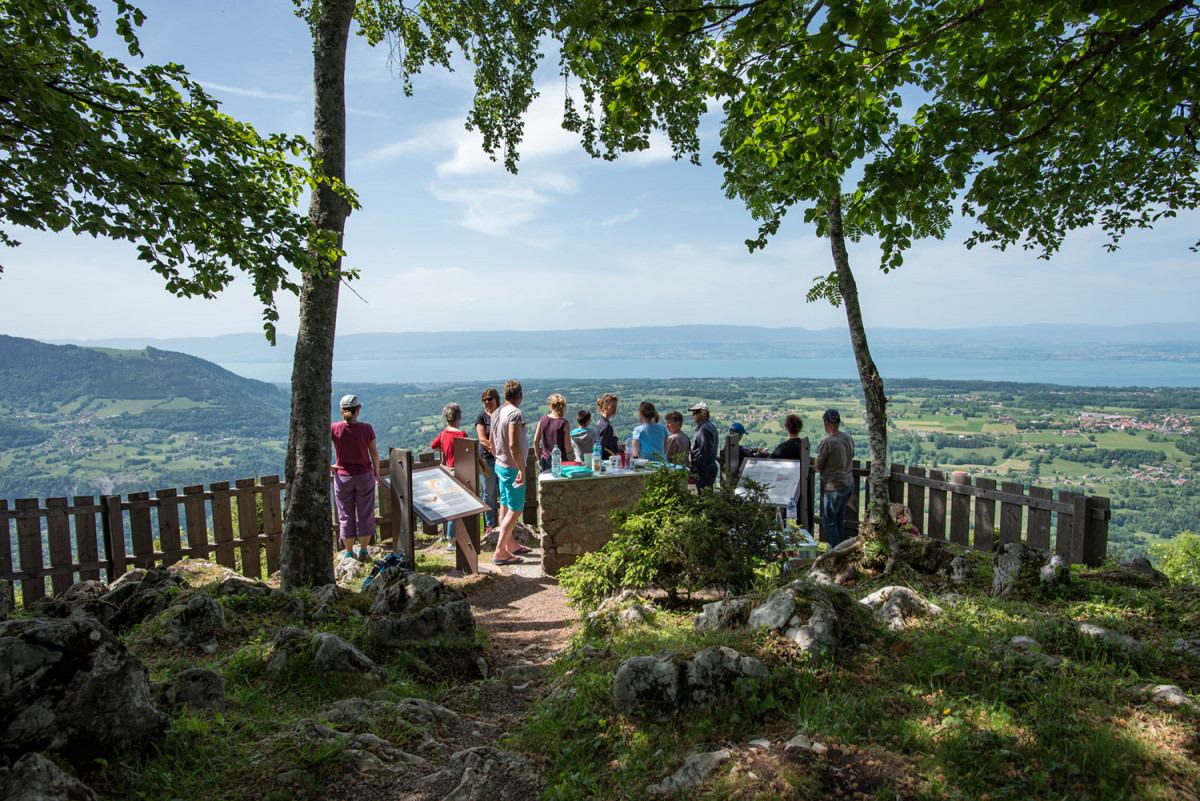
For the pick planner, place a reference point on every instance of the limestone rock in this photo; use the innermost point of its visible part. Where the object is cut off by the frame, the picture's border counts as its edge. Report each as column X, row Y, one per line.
column 951, row 599
column 1017, row 563
column 347, row 569
column 1142, row 567
column 413, row 606
column 336, row 655
column 521, row 674
column 366, row 753
column 1168, row 696
column 635, row 615
column 196, row 621
column 331, row 594
column 1188, row 647
column 1031, row 650
column 85, row 591
column 895, row 607
column 1055, row 571
column 813, row 617
column 484, row 773
column 239, row 585
column 70, row 686
column 712, row 674
column 361, row 712
column 722, row 615
column 194, row 689
column 139, row 602
column 35, row 778
column 647, row 685
column 1122, row 641
column 660, row 686
column 960, row 570
column 694, row 771
column 775, row 612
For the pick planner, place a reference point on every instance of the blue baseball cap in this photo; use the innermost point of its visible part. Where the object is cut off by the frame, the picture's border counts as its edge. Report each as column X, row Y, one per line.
column 737, row 428
column 831, row 416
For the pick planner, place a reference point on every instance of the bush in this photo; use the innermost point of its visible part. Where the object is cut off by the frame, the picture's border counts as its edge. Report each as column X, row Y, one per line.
column 1180, row 558
column 676, row 539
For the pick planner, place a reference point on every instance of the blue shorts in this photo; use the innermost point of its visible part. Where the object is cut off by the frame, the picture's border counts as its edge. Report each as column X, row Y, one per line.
column 510, row 496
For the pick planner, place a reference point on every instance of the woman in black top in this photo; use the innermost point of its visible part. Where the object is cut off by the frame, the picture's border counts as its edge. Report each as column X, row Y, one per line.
column 790, row 447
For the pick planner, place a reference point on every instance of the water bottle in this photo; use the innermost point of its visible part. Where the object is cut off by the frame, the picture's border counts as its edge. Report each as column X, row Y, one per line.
column 597, row 458
column 791, row 513
column 628, row 460
column 556, row 462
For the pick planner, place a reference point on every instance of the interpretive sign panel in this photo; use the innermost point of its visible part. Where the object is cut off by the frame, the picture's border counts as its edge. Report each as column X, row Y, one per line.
column 781, row 477
column 438, row 496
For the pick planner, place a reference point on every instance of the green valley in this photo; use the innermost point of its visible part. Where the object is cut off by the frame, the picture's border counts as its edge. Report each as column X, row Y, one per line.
column 84, row 421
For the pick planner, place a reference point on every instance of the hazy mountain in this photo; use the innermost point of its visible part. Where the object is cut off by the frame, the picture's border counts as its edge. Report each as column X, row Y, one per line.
column 37, row 377
column 1038, row 341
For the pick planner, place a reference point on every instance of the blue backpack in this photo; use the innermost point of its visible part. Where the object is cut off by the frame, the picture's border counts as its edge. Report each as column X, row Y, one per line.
column 393, row 561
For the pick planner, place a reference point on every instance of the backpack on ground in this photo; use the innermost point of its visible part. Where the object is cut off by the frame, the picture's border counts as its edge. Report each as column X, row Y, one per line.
column 393, row 561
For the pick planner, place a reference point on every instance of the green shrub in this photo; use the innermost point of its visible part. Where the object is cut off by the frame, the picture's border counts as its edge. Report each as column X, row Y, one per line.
column 1180, row 558
column 676, row 539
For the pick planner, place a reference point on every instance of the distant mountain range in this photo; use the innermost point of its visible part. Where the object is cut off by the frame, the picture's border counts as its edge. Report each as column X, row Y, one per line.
column 1171, row 341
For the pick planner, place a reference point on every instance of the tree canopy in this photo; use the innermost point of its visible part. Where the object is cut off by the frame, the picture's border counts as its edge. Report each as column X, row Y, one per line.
column 93, row 146
column 1034, row 118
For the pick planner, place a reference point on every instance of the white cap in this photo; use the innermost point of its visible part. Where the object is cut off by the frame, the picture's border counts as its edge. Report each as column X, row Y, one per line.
column 350, row 401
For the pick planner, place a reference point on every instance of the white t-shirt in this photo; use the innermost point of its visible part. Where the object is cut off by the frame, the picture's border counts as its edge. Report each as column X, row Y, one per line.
column 504, row 419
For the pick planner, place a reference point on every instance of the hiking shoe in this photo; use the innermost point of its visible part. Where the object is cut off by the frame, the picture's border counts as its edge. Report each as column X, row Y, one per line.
column 349, row 554
column 363, row 556
column 452, row 548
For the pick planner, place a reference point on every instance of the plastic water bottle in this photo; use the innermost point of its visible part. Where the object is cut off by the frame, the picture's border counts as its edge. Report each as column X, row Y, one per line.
column 628, row 460
column 792, row 514
column 556, row 462
column 597, row 458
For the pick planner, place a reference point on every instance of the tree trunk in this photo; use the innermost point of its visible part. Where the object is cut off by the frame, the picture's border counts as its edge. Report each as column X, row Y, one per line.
column 872, row 382
column 307, row 551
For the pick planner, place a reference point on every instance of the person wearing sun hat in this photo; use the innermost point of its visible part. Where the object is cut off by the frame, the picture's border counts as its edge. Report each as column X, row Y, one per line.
column 704, row 447
column 356, row 474
column 835, row 458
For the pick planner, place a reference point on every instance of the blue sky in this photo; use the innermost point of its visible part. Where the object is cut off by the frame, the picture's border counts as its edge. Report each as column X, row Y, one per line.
column 447, row 240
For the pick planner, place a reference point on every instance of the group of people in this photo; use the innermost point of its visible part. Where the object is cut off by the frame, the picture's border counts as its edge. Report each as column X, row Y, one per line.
column 501, row 431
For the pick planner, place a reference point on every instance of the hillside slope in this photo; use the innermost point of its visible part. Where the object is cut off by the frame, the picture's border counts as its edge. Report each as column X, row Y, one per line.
column 93, row 421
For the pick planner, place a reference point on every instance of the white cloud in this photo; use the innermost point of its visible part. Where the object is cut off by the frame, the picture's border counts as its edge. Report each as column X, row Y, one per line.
column 617, row 219
column 258, row 94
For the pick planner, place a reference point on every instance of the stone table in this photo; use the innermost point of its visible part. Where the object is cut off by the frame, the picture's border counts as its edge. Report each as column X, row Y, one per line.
column 574, row 513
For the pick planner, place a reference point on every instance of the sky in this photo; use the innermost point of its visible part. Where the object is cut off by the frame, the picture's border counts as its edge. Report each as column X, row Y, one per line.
column 448, row 240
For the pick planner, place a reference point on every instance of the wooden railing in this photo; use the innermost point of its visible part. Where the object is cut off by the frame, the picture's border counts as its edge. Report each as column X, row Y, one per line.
column 963, row 510
column 76, row 539
column 83, row 537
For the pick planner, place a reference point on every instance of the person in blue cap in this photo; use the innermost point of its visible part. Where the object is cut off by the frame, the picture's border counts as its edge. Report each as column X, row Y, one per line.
column 835, row 458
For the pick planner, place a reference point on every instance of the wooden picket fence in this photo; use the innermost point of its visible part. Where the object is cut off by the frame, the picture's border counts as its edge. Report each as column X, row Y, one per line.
column 85, row 537
column 975, row 513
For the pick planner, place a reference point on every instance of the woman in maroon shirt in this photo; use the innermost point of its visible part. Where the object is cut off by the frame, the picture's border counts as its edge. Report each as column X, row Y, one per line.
column 356, row 472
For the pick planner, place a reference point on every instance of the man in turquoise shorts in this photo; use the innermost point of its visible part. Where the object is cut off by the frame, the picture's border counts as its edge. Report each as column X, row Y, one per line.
column 511, row 444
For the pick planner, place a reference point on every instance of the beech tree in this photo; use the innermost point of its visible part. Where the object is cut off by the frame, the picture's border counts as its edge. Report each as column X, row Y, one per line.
column 879, row 117
column 501, row 42
column 93, row 146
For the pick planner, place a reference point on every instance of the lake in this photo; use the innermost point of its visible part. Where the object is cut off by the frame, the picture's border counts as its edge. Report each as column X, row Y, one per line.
column 1072, row 372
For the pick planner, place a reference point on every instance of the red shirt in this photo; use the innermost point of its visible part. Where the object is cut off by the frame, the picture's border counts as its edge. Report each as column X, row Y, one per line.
column 444, row 442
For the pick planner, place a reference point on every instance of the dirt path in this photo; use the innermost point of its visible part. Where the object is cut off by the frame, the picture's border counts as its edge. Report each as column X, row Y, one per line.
column 523, row 612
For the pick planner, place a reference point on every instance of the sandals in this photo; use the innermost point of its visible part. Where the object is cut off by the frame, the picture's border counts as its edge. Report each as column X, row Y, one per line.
column 520, row 549
column 512, row 560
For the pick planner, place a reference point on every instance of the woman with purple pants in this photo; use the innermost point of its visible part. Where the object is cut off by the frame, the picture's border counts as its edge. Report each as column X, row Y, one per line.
column 357, row 473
